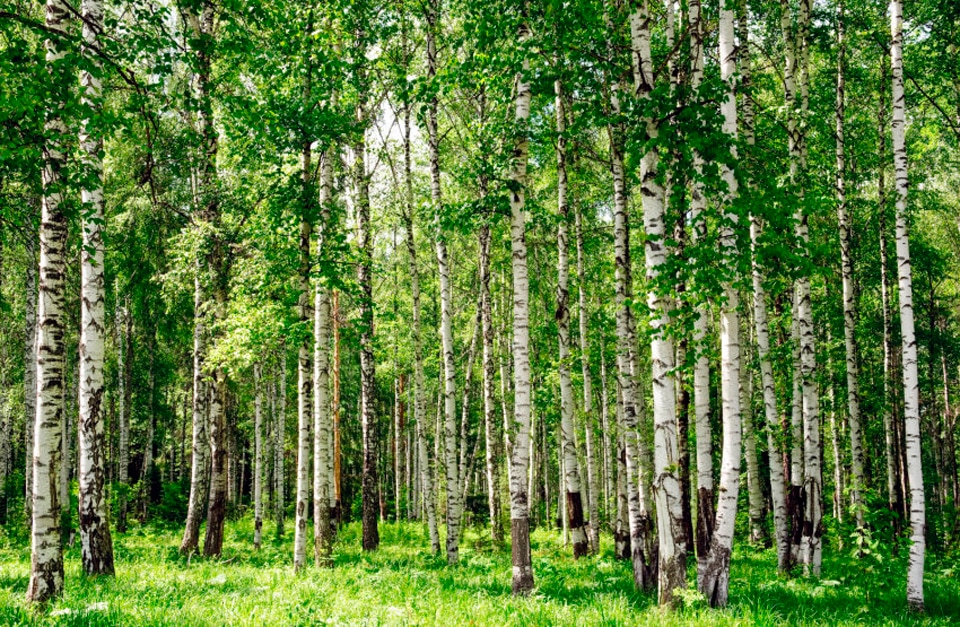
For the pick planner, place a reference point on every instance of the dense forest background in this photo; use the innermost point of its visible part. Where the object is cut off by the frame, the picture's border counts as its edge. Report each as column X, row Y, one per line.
column 681, row 275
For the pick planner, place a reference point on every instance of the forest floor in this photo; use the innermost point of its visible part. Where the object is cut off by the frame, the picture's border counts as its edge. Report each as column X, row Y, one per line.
column 402, row 584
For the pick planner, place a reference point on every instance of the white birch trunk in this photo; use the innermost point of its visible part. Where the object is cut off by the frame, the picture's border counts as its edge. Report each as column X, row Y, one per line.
column 46, row 567
column 279, row 444
column 451, row 467
column 323, row 494
column 849, row 294
column 714, row 577
column 911, row 385
column 666, row 483
column 520, row 455
column 30, row 370
column 305, row 382
column 571, row 475
column 489, row 409
column 419, row 383
column 95, row 541
column 593, row 490
column 199, row 462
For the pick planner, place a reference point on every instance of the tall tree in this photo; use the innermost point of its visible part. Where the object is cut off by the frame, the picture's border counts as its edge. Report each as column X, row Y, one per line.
column 96, row 544
column 911, row 385
column 46, row 566
column 520, row 455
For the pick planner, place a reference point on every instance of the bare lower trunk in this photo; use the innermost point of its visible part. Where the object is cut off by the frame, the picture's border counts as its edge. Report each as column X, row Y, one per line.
column 217, row 503
column 46, row 565
column 323, row 493
column 849, row 294
column 491, row 433
column 911, row 386
column 519, row 457
column 95, row 541
column 279, row 443
column 30, row 370
column 666, row 485
column 199, row 462
column 571, row 472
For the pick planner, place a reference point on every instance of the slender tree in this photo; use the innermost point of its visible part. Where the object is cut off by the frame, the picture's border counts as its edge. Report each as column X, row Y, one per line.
column 911, row 385
column 46, row 566
column 96, row 545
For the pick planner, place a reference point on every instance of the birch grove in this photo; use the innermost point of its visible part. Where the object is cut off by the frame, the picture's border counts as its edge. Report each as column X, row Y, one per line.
column 420, row 223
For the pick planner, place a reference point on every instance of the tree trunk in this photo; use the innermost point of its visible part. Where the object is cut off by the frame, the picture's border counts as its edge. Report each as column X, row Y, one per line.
column 257, row 457
column 371, row 535
column 911, row 387
column 95, row 541
column 571, row 473
column 593, row 490
column 419, row 383
column 519, row 459
column 491, row 433
column 30, row 369
column 323, row 493
column 304, row 356
column 199, row 463
column 758, row 529
column 125, row 375
column 894, row 495
column 706, row 513
column 849, row 293
column 279, row 445
column 714, row 578
column 667, row 493
column 446, row 305
column 46, row 567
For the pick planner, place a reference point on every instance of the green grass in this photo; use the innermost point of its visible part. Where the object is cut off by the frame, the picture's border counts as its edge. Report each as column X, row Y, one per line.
column 402, row 584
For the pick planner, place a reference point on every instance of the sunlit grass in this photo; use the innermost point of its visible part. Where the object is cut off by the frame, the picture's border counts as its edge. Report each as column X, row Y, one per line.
column 402, row 584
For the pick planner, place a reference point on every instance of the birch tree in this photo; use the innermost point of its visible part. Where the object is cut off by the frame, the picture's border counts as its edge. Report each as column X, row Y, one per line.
column 571, row 472
column 667, row 492
column 46, row 563
column 96, row 544
column 911, row 386
column 713, row 579
column 520, row 455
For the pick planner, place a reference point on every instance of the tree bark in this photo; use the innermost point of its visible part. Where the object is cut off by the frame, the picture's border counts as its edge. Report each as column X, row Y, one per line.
column 451, row 466
column 520, row 455
column 95, row 541
column 46, row 567
column 714, row 578
column 571, row 472
column 305, row 381
column 323, row 493
column 849, row 293
column 30, row 368
column 371, row 535
column 667, row 493
column 911, row 386
column 593, row 490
